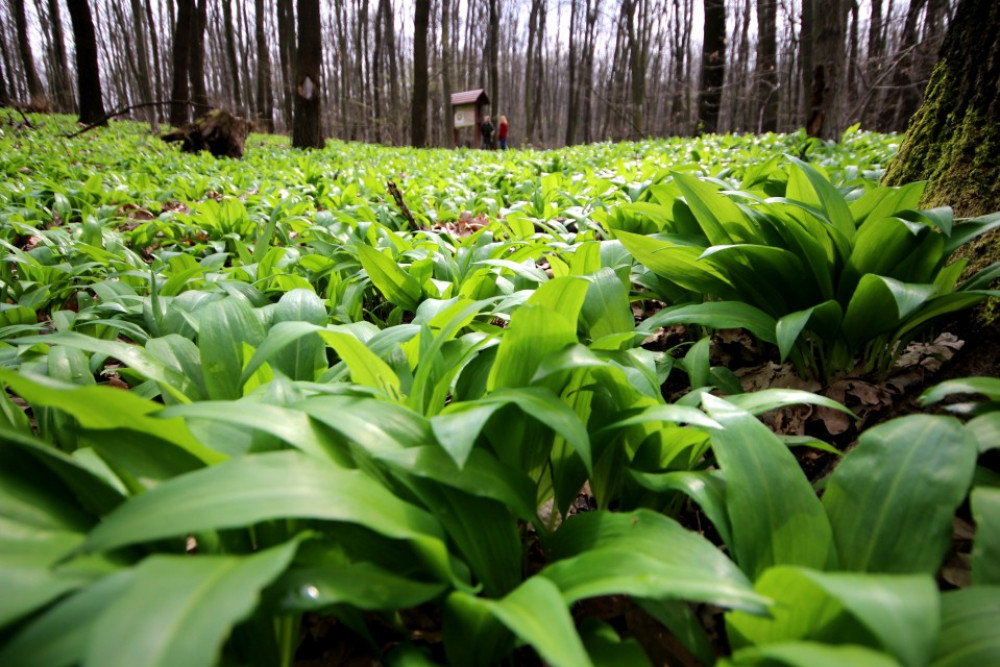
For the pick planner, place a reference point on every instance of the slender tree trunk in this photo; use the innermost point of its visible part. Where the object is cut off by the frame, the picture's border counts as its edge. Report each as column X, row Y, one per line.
column 494, row 56
column 182, row 62
column 573, row 100
column 265, row 98
column 142, row 60
column 286, row 55
column 155, row 47
column 448, row 138
column 713, row 65
column 234, row 68
column 418, row 107
column 827, row 114
column 767, row 66
column 36, row 93
column 307, row 131
column 530, row 71
column 63, row 85
column 806, row 39
column 199, row 95
column 88, row 76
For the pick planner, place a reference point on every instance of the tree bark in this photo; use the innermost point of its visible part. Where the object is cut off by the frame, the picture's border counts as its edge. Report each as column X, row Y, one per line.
column 88, row 75
column 827, row 113
column 713, row 65
column 286, row 55
column 954, row 138
column 199, row 95
column 63, row 85
column 448, row 136
column 181, row 63
column 767, row 66
column 306, row 129
column 418, row 106
column 234, row 68
column 265, row 98
column 145, row 83
column 36, row 93
column 494, row 56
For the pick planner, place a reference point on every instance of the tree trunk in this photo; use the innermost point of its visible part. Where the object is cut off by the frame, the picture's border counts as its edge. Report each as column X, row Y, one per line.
column 306, row 129
column 234, row 68
column 199, row 96
column 571, row 66
column 36, row 93
column 530, row 73
column 145, row 84
column 448, row 138
column 286, row 55
column 88, row 76
column 954, row 138
column 265, row 98
column 767, row 66
column 180, row 94
column 155, row 44
column 713, row 65
column 63, row 85
column 827, row 113
column 494, row 56
column 418, row 106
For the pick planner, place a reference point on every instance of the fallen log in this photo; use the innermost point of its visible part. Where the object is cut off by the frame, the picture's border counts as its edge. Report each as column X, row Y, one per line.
column 218, row 132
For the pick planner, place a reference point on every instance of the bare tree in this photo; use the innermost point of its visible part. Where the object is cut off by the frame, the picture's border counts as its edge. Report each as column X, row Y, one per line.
column 88, row 75
column 306, row 129
column 713, row 64
column 181, row 62
column 38, row 100
column 418, row 108
column 767, row 66
column 265, row 99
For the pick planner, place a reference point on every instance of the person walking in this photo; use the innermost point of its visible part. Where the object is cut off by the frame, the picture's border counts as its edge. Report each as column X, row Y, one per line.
column 502, row 132
column 486, row 129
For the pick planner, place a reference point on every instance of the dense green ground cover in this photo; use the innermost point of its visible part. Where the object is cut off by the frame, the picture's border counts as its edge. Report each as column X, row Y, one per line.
column 335, row 412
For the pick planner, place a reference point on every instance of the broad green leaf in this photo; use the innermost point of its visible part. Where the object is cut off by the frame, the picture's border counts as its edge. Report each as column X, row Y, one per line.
column 607, row 649
column 718, row 315
column 892, row 498
column 606, row 309
column 759, row 402
column 706, row 488
column 678, row 264
column 360, row 585
column 366, row 368
column 536, row 613
column 102, row 408
column 897, row 613
column 292, row 426
column 29, row 577
column 304, row 358
column 395, row 284
column 986, row 549
column 809, row 654
column 59, row 636
column 224, row 327
column 251, row 489
column 986, row 430
column 987, row 386
column 969, row 621
column 603, row 553
column 823, row 318
column 824, row 196
column 775, row 515
column 197, row 601
column 534, row 333
column 880, row 304
column 711, row 208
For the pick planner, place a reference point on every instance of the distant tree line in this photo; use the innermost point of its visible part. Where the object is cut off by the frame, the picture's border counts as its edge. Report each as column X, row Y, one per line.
column 562, row 71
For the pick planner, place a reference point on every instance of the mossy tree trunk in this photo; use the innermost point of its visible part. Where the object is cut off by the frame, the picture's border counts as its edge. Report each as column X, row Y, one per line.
column 954, row 138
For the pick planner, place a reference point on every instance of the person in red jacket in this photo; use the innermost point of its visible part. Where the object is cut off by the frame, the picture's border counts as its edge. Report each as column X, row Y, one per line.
column 502, row 133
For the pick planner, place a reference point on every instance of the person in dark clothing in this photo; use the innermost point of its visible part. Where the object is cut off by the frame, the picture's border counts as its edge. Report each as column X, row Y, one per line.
column 502, row 132
column 487, row 131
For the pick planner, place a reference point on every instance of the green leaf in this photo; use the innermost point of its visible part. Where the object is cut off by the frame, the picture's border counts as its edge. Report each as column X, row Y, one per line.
column 809, row 654
column 706, row 488
column 759, row 402
column 678, row 264
column 892, row 498
column 395, row 284
column 607, row 649
column 898, row 613
column 537, row 614
column 367, row 369
column 102, row 408
column 59, row 636
column 198, row 600
column 606, row 309
column 987, row 386
column 224, row 327
column 823, row 318
column 251, row 489
column 986, row 550
column 304, row 358
column 880, row 304
column 969, row 622
column 603, row 553
column 776, row 517
column 360, row 585
column 710, row 207
column 715, row 314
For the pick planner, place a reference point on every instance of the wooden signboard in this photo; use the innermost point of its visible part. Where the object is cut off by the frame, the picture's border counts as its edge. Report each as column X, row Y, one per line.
column 464, row 115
